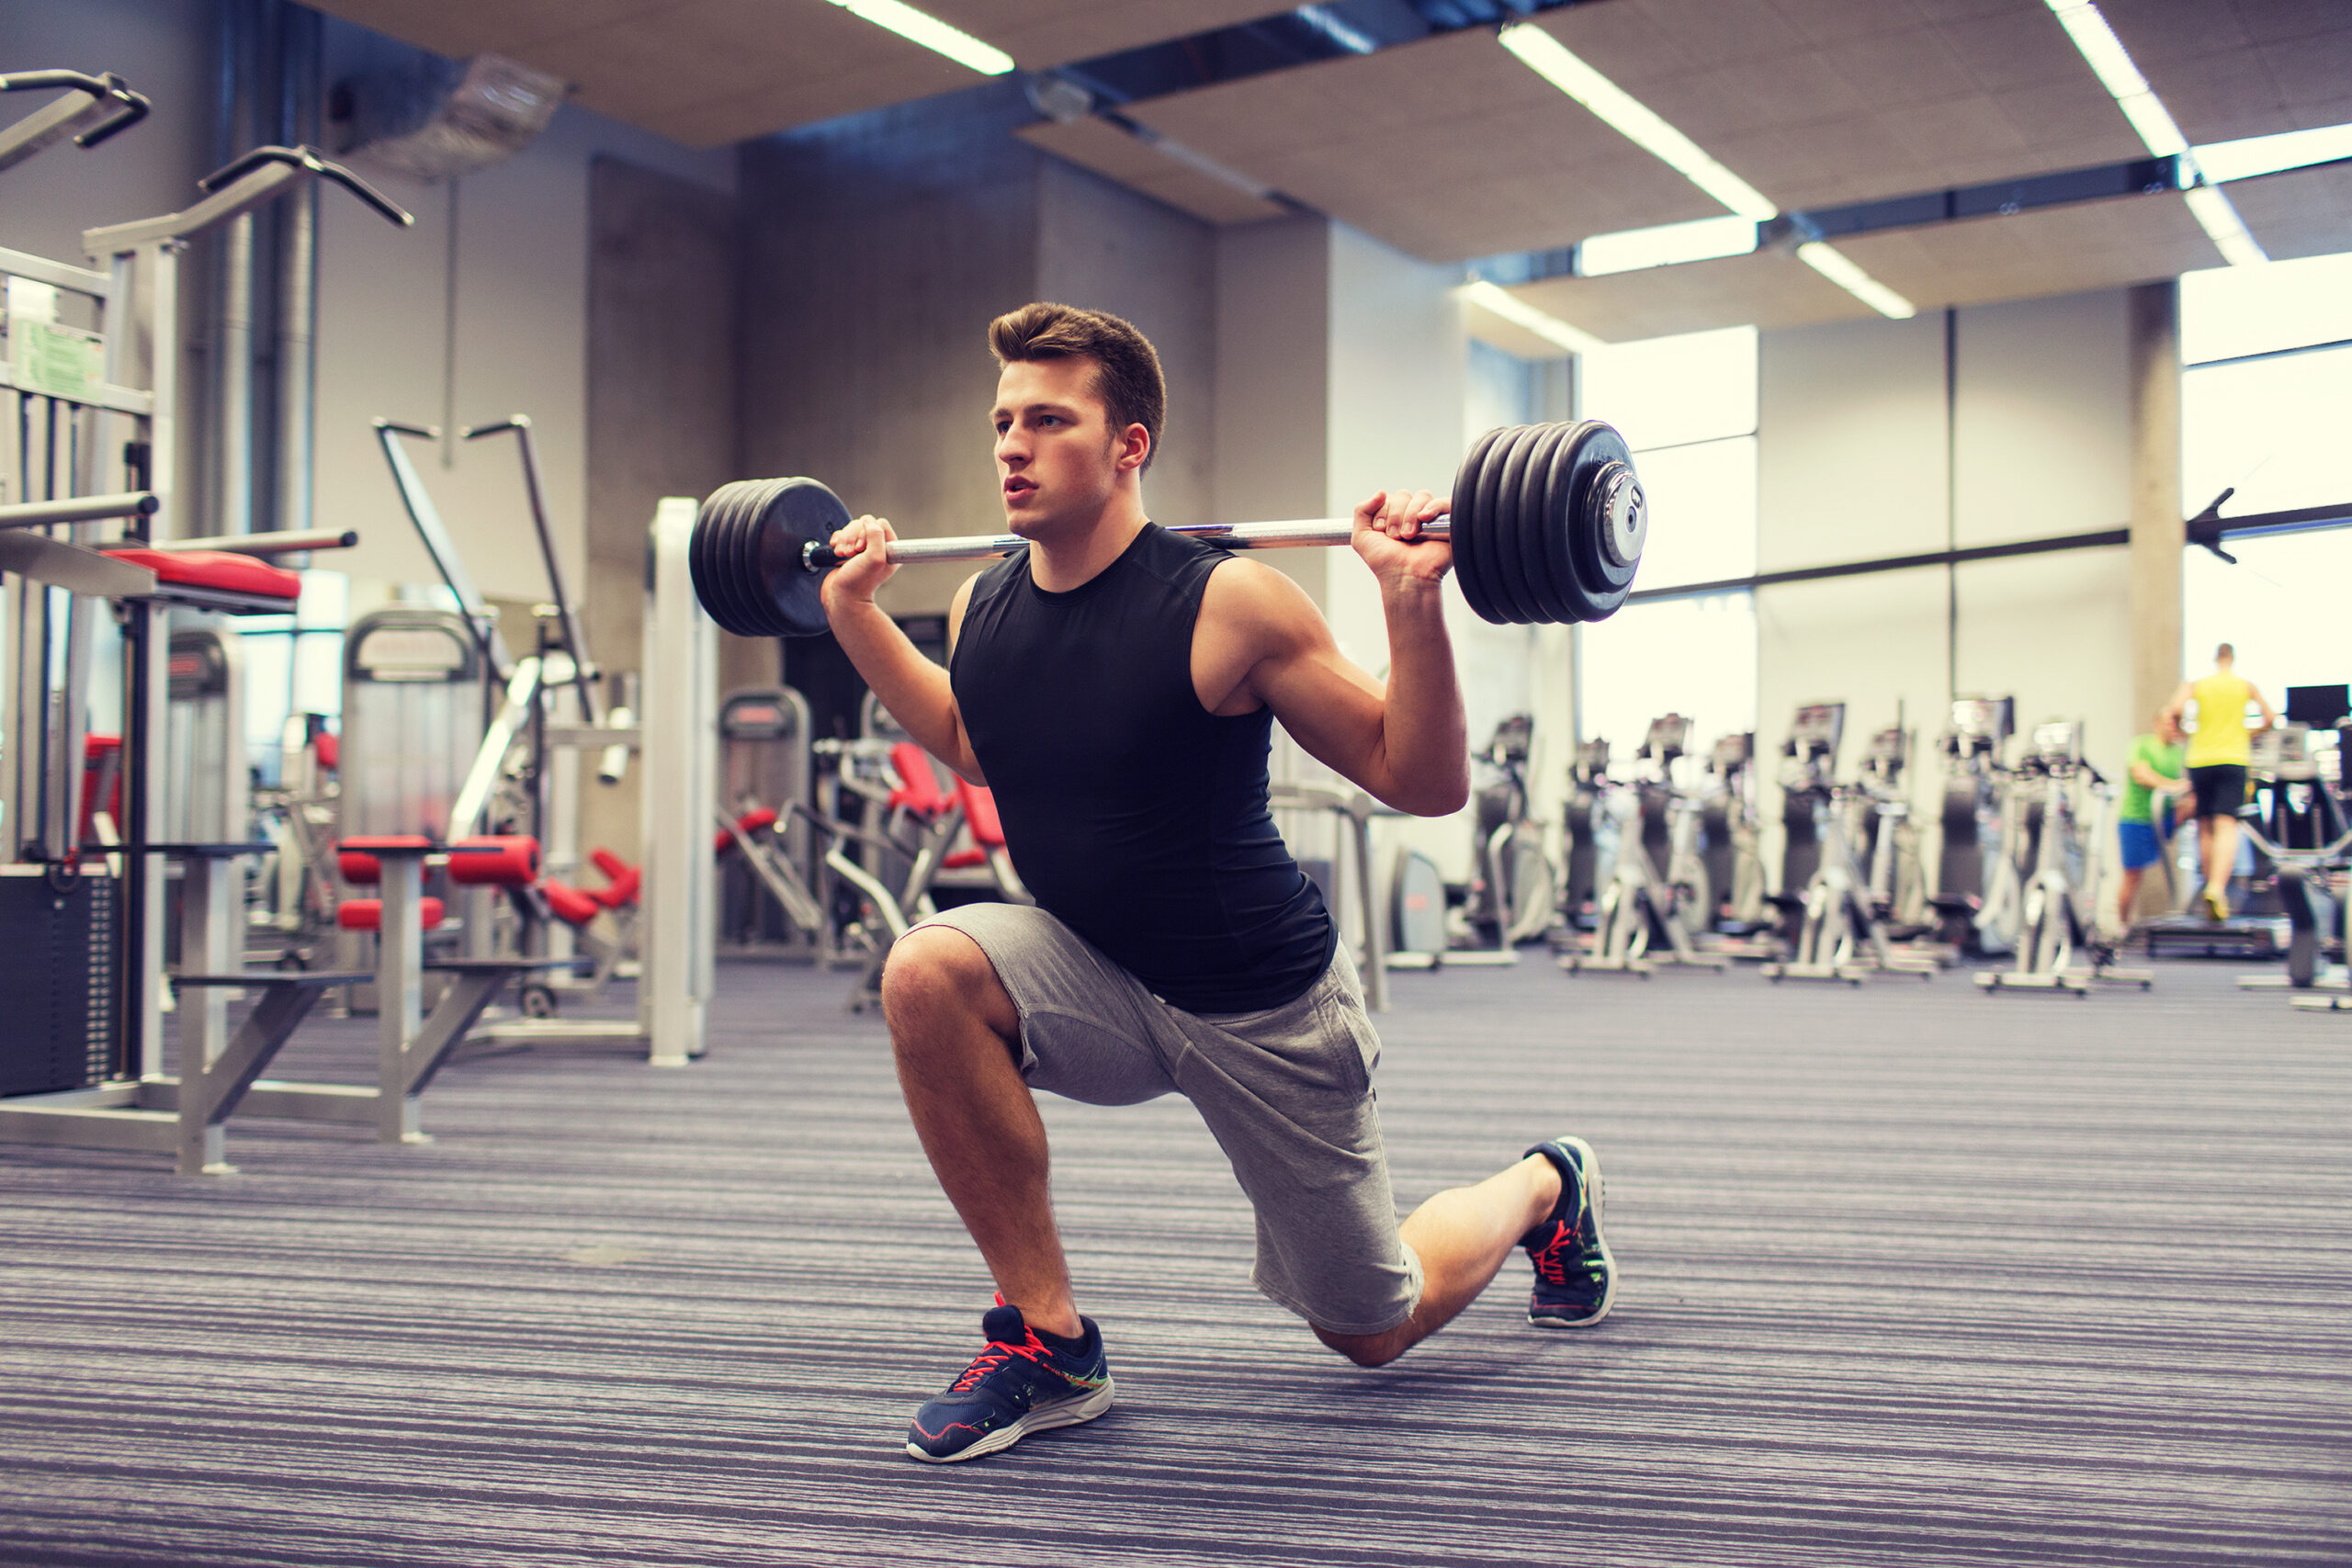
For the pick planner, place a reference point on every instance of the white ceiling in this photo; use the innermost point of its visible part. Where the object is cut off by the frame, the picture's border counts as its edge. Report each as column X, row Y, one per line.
column 1450, row 148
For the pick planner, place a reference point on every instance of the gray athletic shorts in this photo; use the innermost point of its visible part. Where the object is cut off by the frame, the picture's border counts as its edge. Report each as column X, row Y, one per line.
column 1286, row 1093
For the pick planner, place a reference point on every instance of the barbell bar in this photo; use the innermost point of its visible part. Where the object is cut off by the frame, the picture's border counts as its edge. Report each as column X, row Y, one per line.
column 1547, row 525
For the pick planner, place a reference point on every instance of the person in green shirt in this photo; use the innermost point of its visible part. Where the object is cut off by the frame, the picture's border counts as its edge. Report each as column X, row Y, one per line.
column 2145, row 828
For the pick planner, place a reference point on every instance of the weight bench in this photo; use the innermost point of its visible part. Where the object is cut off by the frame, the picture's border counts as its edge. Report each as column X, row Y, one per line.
column 220, row 1074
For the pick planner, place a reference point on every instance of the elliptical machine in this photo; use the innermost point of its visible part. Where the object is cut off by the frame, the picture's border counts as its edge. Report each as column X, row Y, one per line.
column 1643, row 919
column 1975, row 896
column 1898, row 879
column 2059, row 906
column 2297, row 823
column 1581, row 821
column 1513, row 888
column 1837, row 936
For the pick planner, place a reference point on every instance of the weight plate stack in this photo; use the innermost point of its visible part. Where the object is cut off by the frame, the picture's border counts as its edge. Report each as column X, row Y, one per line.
column 1504, row 525
column 745, row 555
column 1538, row 523
column 1605, row 582
column 1467, row 512
column 1568, row 600
column 796, row 514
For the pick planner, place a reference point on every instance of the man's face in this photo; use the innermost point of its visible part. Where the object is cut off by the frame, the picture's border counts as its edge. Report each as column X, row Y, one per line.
column 1056, row 458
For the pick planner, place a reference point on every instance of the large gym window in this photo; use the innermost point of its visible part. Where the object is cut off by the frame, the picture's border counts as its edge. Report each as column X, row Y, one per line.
column 2266, row 399
column 1688, row 407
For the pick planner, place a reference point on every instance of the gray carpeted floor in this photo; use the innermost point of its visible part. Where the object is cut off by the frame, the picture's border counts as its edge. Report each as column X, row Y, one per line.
column 1911, row 1275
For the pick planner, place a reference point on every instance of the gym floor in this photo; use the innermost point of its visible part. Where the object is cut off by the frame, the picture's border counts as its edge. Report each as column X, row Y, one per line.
column 1909, row 1275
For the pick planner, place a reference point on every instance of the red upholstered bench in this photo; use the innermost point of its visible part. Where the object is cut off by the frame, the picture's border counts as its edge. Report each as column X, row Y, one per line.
column 497, row 859
column 750, row 822
column 356, row 859
column 622, row 880
column 918, row 789
column 980, row 816
column 569, row 904
column 368, row 914
column 222, row 569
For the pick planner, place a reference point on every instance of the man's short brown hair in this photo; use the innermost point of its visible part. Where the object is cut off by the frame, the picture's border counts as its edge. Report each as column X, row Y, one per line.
column 1127, row 367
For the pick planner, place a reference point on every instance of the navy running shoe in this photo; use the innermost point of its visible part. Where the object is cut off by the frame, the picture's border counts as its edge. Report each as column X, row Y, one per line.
column 1018, row 1385
column 1574, row 1278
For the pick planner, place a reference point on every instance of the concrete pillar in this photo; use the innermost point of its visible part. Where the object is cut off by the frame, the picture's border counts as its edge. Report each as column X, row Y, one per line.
column 2159, row 535
column 2158, row 532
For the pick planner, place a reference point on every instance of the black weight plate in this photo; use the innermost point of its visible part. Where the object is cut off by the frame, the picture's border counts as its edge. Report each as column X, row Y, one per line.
column 1573, row 601
column 798, row 513
column 699, row 550
column 1497, row 525
column 704, row 553
column 1482, row 532
column 1604, row 583
column 1599, row 450
column 743, row 557
column 1530, row 560
column 1502, row 528
column 735, row 586
column 1464, row 522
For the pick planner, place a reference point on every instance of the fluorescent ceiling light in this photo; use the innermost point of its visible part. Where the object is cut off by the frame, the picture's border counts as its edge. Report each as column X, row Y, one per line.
column 1834, row 265
column 1550, row 59
column 1518, row 312
column 2111, row 62
column 2224, row 227
column 1631, row 249
column 931, row 33
column 2242, row 160
column 2100, row 47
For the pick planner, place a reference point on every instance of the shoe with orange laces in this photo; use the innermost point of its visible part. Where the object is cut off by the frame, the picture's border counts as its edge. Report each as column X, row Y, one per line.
column 1575, row 1280
column 1018, row 1385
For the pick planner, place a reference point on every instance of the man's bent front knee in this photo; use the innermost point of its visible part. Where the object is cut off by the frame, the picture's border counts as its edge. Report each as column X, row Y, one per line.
column 937, row 973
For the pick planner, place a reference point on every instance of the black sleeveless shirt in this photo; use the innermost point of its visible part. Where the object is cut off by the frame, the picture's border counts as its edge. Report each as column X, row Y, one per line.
column 1136, row 816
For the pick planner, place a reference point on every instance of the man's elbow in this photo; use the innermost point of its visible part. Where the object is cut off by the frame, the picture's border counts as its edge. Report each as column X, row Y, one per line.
column 1437, row 799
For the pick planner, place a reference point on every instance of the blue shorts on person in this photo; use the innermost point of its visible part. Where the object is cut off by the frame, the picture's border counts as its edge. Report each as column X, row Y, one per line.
column 2142, row 848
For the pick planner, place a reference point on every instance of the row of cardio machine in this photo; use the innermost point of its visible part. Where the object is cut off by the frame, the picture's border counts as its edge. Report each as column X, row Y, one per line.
column 1669, row 868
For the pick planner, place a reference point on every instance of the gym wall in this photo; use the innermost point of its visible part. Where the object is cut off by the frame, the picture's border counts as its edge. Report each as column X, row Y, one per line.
column 1885, row 438
column 877, row 249
column 480, row 312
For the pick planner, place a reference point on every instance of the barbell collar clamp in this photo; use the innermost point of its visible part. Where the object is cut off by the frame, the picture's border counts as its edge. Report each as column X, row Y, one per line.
column 1625, row 514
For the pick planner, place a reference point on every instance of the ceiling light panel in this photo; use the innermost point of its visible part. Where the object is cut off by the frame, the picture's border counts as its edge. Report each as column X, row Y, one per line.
column 2233, row 69
column 1666, row 246
column 2307, row 213
column 1769, row 289
column 2086, row 26
column 1040, row 33
column 1822, row 104
column 2052, row 250
column 940, row 38
column 1552, row 61
column 1550, row 329
column 1470, row 154
column 2257, row 155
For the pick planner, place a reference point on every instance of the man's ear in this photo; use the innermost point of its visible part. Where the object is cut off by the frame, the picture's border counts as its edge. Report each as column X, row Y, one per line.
column 1134, row 448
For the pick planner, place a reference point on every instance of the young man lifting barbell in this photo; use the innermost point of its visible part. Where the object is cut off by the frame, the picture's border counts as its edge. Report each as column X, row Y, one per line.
column 1115, row 686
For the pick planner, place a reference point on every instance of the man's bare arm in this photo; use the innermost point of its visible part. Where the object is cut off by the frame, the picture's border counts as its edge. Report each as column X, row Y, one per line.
column 913, row 689
column 2178, row 706
column 1407, row 742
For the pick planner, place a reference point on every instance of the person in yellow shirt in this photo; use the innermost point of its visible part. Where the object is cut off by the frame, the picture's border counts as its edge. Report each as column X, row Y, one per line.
column 2220, row 748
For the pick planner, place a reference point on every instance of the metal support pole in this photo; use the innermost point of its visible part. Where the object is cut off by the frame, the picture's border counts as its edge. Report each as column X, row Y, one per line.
column 680, row 675
column 399, row 992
